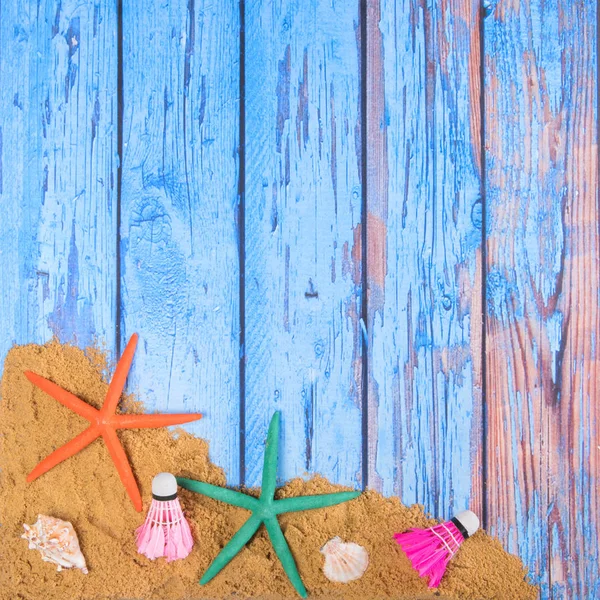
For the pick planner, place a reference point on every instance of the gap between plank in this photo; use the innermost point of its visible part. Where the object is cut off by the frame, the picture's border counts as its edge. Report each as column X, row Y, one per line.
column 119, row 175
column 242, row 243
column 364, row 254
column 482, row 193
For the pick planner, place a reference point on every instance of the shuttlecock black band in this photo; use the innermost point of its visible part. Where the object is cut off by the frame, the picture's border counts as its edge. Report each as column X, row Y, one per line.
column 165, row 498
column 460, row 527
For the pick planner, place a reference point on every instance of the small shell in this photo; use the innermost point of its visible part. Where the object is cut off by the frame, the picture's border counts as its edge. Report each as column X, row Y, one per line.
column 344, row 562
column 56, row 541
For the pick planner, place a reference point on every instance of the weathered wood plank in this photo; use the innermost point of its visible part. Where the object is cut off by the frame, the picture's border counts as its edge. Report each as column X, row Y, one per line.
column 424, row 242
column 543, row 288
column 303, row 253
column 180, row 276
column 57, row 172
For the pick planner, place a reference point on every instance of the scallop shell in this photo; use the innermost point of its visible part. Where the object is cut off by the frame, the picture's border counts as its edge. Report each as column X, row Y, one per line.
column 56, row 541
column 344, row 562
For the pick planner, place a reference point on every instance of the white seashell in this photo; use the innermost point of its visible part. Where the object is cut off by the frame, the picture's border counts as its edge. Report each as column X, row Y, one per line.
column 344, row 562
column 56, row 541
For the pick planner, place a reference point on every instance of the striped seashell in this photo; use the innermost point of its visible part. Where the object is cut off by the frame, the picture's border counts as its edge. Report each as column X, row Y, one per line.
column 344, row 562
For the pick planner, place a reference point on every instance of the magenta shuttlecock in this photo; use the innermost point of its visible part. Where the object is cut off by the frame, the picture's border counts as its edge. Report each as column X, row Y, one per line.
column 165, row 531
column 430, row 550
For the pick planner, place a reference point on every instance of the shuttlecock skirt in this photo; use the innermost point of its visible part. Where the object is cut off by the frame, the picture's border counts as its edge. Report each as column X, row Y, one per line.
column 165, row 532
column 430, row 550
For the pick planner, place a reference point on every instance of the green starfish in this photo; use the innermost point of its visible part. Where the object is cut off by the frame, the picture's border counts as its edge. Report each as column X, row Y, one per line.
column 264, row 510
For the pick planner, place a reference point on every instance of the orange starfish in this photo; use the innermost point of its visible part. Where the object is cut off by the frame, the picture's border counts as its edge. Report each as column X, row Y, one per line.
column 104, row 422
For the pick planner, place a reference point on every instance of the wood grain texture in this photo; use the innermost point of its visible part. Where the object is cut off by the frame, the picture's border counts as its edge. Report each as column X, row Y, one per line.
column 57, row 172
column 179, row 238
column 543, row 286
column 423, row 263
column 177, row 278
column 303, row 253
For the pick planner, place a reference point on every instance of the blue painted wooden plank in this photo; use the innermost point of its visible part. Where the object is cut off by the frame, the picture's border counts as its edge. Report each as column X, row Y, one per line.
column 179, row 248
column 424, row 242
column 543, row 284
column 303, row 253
column 58, row 161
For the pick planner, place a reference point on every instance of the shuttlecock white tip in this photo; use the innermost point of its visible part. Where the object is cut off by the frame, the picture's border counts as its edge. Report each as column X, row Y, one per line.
column 468, row 520
column 164, row 485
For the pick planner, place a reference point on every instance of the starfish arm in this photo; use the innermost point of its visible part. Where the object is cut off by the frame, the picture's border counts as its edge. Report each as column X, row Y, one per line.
column 235, row 544
column 310, row 502
column 117, row 383
column 218, row 493
column 150, row 421
column 61, row 454
column 269, row 475
column 65, row 398
column 285, row 555
column 123, row 467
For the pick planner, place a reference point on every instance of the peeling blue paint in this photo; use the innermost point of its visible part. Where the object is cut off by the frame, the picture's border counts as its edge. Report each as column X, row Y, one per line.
column 179, row 214
column 305, row 331
column 58, row 252
column 302, row 335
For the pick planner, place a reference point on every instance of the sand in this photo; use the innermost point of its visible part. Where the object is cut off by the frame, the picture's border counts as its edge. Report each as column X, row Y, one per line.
column 86, row 491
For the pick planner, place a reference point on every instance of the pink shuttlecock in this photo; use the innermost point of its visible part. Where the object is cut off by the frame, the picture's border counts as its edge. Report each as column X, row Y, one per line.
column 430, row 550
column 165, row 531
